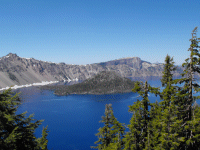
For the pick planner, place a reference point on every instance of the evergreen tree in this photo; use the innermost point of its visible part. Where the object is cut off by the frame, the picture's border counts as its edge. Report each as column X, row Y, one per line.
column 185, row 97
column 174, row 123
column 42, row 142
column 167, row 81
column 138, row 135
column 169, row 135
column 133, row 139
column 16, row 131
column 112, row 133
column 155, row 126
column 195, row 127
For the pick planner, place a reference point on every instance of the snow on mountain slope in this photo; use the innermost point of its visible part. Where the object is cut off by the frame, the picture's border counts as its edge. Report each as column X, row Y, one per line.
column 15, row 70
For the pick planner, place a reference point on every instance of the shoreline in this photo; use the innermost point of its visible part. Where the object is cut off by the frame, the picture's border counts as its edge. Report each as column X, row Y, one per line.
column 94, row 93
column 29, row 85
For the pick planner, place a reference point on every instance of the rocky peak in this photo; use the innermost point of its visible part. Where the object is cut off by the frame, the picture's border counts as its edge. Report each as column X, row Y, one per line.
column 12, row 55
column 123, row 61
column 132, row 62
column 29, row 70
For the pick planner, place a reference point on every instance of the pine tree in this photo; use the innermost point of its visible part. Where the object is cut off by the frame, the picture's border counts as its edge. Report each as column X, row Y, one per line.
column 185, row 97
column 112, row 133
column 133, row 138
column 42, row 142
column 195, row 126
column 155, row 126
column 138, row 135
column 16, row 131
column 167, row 81
column 168, row 138
column 173, row 123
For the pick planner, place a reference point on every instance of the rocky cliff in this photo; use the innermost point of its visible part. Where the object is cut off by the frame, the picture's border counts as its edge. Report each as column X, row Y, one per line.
column 15, row 70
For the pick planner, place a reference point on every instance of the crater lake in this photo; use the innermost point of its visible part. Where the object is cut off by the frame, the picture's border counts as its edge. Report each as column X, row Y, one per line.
column 73, row 120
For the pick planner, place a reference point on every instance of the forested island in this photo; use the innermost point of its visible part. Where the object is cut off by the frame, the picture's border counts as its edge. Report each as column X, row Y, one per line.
column 105, row 82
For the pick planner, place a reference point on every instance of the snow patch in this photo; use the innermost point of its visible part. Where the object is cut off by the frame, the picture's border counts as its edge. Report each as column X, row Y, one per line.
column 50, row 62
column 28, row 85
column 154, row 65
column 75, row 79
column 146, row 64
column 26, row 58
column 68, row 79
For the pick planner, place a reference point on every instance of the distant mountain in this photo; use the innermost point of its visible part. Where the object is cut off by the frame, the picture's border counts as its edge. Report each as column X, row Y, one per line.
column 15, row 70
column 105, row 82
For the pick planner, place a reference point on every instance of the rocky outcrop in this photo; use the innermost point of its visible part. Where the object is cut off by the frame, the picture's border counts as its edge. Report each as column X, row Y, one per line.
column 133, row 67
column 15, row 70
column 105, row 82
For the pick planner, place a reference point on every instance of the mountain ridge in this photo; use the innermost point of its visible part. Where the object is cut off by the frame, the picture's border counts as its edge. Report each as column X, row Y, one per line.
column 15, row 70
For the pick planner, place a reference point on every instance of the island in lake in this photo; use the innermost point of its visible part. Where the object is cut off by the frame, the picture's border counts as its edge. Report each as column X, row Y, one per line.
column 105, row 82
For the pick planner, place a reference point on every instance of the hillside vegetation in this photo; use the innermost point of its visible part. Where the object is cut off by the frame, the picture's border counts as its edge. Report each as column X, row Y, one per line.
column 105, row 82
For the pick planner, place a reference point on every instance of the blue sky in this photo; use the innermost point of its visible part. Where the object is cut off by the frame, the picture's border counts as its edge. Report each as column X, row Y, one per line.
column 92, row 31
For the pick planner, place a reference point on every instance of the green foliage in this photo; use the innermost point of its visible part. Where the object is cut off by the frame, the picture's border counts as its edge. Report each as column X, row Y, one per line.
column 133, row 138
column 42, row 142
column 17, row 131
column 185, row 97
column 103, row 83
column 168, row 115
column 111, row 134
column 139, row 135
column 174, row 123
column 167, row 73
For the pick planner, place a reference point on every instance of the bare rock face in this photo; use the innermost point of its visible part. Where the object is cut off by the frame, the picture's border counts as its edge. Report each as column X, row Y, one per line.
column 15, row 70
column 133, row 67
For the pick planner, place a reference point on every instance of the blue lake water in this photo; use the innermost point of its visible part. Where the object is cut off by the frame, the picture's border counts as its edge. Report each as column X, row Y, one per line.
column 73, row 120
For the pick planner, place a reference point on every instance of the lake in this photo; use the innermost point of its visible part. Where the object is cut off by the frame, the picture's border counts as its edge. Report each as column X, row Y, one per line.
column 73, row 120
